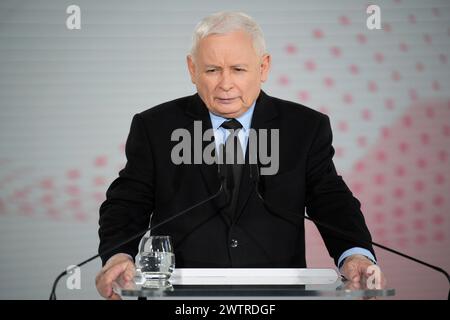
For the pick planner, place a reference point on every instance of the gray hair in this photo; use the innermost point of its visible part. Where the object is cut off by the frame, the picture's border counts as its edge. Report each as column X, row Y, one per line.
column 226, row 22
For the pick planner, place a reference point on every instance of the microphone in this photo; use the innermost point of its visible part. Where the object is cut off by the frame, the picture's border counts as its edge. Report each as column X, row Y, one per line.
column 227, row 180
column 255, row 177
column 222, row 172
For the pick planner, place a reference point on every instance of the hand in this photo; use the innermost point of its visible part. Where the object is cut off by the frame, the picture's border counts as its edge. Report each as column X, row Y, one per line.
column 118, row 265
column 358, row 267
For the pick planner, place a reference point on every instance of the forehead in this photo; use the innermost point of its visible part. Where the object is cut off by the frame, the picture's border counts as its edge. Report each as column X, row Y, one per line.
column 216, row 48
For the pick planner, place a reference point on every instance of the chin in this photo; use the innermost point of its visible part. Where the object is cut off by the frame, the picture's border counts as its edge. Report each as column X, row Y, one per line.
column 227, row 111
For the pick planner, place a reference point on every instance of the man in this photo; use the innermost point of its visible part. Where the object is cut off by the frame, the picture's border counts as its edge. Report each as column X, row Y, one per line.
column 228, row 63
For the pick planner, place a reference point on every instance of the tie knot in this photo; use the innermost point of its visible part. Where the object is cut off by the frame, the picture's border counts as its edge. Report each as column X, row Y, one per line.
column 231, row 124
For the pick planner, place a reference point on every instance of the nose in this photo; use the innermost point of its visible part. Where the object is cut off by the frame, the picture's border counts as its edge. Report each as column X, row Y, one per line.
column 226, row 83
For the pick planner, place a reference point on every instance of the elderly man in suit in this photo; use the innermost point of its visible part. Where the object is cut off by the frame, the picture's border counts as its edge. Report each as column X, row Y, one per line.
column 228, row 63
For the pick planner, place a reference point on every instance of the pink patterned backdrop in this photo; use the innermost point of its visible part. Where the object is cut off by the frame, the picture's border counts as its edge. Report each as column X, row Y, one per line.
column 387, row 94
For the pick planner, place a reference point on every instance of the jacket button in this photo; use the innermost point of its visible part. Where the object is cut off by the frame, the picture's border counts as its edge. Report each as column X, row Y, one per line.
column 234, row 243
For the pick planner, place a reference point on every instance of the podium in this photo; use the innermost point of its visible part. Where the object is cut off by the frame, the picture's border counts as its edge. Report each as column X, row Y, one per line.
column 250, row 284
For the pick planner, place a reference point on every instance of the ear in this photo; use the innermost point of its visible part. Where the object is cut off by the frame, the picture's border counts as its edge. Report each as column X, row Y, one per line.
column 265, row 66
column 191, row 67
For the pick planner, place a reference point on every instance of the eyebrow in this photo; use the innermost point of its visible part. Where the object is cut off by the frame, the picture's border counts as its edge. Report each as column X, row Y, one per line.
column 233, row 66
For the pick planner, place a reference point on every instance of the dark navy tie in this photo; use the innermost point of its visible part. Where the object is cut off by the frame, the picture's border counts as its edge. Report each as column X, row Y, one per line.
column 233, row 158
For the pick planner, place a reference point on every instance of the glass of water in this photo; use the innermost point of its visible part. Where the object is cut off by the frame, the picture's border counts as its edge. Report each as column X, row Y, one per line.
column 156, row 260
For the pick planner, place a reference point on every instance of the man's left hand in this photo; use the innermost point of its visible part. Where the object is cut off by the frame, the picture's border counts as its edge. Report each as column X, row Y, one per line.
column 357, row 268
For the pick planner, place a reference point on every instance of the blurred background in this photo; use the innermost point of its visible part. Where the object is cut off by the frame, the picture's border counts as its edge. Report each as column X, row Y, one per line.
column 67, row 98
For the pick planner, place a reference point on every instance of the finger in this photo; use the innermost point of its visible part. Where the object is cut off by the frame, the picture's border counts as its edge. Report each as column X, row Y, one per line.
column 379, row 279
column 359, row 269
column 365, row 272
column 369, row 272
column 130, row 271
column 105, row 280
column 364, row 268
column 355, row 277
column 114, row 296
column 103, row 289
column 351, row 272
column 114, row 272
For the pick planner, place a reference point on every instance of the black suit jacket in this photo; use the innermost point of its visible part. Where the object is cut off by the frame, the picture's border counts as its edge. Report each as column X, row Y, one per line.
column 208, row 237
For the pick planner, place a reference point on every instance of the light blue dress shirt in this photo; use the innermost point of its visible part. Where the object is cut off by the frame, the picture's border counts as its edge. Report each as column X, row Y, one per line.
column 220, row 136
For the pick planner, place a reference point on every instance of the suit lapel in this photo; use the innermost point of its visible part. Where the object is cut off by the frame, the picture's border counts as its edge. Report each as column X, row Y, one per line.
column 198, row 111
column 264, row 117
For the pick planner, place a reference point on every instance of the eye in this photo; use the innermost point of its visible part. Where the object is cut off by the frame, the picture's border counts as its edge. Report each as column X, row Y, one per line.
column 211, row 70
column 239, row 69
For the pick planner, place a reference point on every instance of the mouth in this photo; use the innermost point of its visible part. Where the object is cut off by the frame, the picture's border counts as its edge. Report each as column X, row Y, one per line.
column 226, row 100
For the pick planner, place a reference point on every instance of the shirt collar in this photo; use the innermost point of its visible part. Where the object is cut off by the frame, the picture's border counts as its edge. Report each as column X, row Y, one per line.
column 245, row 119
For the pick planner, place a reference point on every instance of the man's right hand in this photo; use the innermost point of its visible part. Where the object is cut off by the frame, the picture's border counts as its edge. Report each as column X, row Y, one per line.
column 119, row 265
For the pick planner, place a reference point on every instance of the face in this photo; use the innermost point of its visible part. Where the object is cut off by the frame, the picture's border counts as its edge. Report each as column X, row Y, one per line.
column 228, row 73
